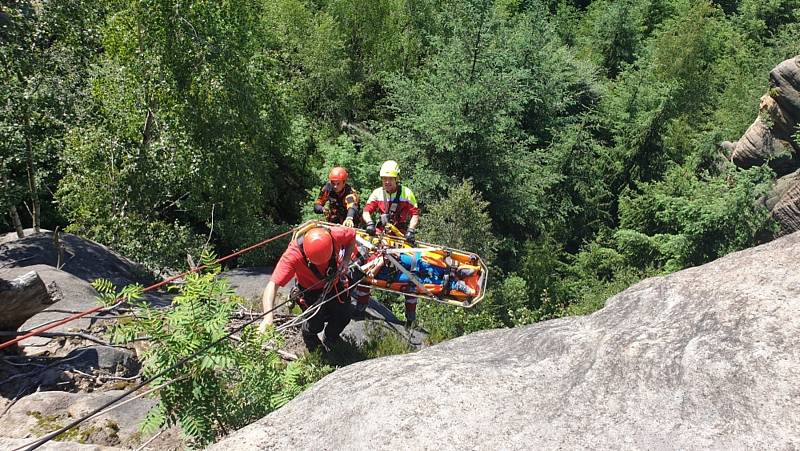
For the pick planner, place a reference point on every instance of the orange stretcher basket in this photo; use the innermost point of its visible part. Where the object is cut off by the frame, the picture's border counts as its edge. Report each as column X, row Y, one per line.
column 390, row 245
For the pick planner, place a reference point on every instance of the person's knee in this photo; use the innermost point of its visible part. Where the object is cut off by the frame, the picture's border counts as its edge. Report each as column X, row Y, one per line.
column 312, row 327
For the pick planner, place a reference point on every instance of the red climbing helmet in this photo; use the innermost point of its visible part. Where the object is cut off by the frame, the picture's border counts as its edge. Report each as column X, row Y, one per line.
column 318, row 246
column 338, row 174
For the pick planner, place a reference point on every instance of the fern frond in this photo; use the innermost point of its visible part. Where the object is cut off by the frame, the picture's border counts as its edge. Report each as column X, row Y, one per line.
column 155, row 419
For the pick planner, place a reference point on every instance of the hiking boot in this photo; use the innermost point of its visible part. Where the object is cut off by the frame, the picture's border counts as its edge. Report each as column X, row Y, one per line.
column 312, row 342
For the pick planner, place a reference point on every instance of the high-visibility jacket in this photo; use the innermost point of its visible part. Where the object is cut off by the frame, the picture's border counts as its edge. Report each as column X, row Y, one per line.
column 400, row 205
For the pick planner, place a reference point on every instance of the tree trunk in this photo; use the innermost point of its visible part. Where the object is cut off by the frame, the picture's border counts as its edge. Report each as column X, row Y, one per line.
column 12, row 211
column 24, row 297
column 476, row 49
column 32, row 186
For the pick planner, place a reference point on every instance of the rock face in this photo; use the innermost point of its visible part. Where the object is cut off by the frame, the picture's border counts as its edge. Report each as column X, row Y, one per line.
column 708, row 357
column 77, row 295
column 23, row 297
column 80, row 257
column 70, row 263
column 762, row 143
column 787, row 209
column 249, row 283
column 14, row 443
column 771, row 140
column 43, row 412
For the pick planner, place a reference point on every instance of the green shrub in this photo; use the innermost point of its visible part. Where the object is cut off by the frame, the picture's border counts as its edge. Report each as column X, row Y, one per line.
column 444, row 322
column 225, row 387
column 157, row 245
column 382, row 342
column 695, row 219
column 461, row 221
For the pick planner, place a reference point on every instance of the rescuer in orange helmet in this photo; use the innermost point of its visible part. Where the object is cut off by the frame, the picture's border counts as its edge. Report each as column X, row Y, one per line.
column 342, row 199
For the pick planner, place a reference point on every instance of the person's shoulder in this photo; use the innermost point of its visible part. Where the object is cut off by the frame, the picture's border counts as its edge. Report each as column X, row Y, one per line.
column 340, row 233
column 407, row 193
column 350, row 192
column 292, row 253
column 377, row 193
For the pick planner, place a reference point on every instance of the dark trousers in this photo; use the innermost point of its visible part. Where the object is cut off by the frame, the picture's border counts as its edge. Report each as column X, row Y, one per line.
column 336, row 312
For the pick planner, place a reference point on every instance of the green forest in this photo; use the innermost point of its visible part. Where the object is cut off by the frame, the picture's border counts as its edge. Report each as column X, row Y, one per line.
column 572, row 144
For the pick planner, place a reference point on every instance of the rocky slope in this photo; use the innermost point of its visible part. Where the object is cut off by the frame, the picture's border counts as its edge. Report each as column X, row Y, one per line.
column 708, row 357
column 47, row 382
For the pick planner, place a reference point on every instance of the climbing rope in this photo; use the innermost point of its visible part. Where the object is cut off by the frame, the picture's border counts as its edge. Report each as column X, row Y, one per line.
column 314, row 309
column 107, row 406
column 307, row 315
column 79, row 315
column 300, row 319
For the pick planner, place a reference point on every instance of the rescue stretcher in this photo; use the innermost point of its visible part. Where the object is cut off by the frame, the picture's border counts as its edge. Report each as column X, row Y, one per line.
column 424, row 270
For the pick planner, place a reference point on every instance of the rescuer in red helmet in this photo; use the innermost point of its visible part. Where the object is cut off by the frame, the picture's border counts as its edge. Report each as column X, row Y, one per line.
column 318, row 259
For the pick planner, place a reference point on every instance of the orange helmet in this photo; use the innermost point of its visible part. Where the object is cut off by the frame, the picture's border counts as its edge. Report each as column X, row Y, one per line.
column 318, row 246
column 338, row 174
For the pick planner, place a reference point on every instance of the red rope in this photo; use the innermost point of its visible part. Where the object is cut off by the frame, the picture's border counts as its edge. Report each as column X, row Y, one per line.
column 151, row 287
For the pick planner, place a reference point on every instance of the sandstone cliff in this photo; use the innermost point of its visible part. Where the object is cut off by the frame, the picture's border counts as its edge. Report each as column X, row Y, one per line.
column 772, row 140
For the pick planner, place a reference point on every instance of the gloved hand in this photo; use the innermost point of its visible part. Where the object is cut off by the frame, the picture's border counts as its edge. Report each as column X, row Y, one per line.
column 371, row 228
column 356, row 274
column 348, row 222
column 319, row 209
column 384, row 218
column 410, row 236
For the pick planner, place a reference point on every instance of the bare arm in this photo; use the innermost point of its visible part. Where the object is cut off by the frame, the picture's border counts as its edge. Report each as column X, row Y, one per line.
column 412, row 224
column 348, row 252
column 268, row 303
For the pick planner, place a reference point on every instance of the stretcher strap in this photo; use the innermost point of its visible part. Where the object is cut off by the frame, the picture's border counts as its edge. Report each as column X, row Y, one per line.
column 404, row 250
column 410, row 276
